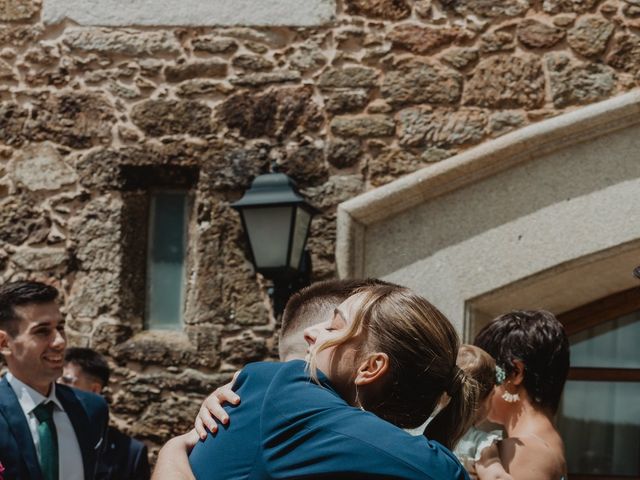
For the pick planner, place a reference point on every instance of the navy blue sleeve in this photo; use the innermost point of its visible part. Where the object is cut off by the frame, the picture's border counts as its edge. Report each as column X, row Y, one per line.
column 309, row 431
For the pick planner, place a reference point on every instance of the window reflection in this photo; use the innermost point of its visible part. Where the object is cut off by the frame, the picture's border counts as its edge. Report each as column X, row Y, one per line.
column 600, row 423
column 609, row 345
column 166, row 260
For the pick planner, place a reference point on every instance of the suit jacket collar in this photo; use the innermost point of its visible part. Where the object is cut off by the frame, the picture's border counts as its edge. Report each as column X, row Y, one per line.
column 28, row 397
column 12, row 411
column 80, row 422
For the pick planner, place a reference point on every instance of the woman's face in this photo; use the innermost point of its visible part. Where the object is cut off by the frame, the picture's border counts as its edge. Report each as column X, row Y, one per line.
column 339, row 363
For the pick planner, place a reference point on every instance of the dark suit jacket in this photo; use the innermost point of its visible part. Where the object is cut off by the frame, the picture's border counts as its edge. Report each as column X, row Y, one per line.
column 89, row 417
column 288, row 427
column 125, row 458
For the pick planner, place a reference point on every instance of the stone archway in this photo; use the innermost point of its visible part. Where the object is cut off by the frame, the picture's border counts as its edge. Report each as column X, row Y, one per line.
column 545, row 217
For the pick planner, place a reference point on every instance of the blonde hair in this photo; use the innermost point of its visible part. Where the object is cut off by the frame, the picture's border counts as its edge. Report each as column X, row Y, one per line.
column 480, row 366
column 422, row 346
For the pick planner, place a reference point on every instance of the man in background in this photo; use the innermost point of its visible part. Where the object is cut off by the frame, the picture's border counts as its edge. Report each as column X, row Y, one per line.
column 47, row 431
column 124, row 458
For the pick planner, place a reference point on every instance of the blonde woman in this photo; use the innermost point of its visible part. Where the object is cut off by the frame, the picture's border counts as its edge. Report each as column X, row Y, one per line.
column 385, row 358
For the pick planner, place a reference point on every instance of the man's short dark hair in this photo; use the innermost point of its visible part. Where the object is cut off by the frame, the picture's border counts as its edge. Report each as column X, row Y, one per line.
column 538, row 340
column 20, row 293
column 317, row 297
column 90, row 362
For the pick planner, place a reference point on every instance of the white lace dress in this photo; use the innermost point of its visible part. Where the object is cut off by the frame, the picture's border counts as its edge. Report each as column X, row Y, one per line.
column 471, row 445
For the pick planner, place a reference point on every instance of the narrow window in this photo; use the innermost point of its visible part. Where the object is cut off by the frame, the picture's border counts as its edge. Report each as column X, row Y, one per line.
column 168, row 218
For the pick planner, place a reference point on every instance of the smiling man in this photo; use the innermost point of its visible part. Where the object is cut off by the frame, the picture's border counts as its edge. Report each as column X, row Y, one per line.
column 47, row 431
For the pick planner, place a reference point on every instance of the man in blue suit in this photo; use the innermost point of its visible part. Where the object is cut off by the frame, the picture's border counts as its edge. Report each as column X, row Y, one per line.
column 47, row 431
column 125, row 458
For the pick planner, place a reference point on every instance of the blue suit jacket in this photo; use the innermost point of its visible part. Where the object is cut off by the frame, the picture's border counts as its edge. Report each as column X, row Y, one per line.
column 288, row 427
column 125, row 458
column 89, row 417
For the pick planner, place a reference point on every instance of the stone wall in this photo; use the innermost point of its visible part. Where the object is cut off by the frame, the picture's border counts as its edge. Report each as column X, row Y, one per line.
column 91, row 118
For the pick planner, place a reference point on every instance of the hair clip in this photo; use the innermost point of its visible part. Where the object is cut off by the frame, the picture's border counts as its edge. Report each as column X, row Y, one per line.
column 501, row 375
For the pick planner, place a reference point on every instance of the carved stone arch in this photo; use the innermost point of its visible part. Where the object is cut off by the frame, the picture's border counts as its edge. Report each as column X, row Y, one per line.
column 545, row 217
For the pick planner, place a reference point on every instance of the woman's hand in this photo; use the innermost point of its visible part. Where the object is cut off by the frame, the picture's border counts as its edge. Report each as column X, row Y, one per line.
column 173, row 458
column 211, row 409
column 489, row 466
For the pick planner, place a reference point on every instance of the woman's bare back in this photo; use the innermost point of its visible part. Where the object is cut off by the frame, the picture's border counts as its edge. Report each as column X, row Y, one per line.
column 534, row 454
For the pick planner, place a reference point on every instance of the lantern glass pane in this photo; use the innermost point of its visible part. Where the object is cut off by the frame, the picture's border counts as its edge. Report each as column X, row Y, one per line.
column 303, row 218
column 268, row 230
column 166, row 260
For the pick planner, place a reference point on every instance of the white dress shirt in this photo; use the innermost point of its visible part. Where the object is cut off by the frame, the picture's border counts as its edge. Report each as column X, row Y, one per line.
column 69, row 454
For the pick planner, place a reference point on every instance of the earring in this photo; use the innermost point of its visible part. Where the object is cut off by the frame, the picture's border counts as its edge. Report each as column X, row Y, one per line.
column 357, row 400
column 510, row 397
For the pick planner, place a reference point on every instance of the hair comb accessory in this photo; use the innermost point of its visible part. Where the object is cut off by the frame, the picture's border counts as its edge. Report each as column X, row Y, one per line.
column 501, row 375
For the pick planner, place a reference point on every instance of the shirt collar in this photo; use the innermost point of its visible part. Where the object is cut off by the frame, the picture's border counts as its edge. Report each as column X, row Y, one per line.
column 30, row 398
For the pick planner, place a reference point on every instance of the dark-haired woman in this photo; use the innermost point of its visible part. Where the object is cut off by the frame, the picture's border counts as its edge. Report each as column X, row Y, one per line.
column 533, row 350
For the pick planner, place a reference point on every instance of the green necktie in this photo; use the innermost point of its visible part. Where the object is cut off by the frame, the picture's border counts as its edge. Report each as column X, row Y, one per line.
column 48, row 440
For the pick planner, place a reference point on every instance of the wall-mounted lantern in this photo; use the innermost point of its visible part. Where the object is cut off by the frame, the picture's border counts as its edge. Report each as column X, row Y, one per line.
column 276, row 221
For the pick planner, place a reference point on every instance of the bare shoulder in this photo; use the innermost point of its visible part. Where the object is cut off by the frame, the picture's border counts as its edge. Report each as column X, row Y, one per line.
column 531, row 458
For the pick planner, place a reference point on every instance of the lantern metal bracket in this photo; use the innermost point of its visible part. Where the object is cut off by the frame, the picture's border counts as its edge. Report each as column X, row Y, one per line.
column 284, row 287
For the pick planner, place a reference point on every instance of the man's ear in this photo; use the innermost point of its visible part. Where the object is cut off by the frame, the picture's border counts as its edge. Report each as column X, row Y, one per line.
column 4, row 343
column 96, row 387
column 517, row 377
column 373, row 369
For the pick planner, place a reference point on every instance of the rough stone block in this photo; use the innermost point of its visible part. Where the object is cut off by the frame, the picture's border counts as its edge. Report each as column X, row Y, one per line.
column 233, row 167
column 121, row 42
column 625, row 53
column 421, row 82
column 384, row 9
column 12, row 10
column 267, row 78
column 564, row 6
column 535, row 34
column 252, row 63
column 214, row 45
column 364, row 126
column 172, row 117
column 12, row 122
column 20, row 222
column 77, row 120
column 575, row 83
column 499, row 40
column 275, row 113
column 244, row 349
column 187, row 71
column 348, row 77
column 392, row 164
column 590, row 35
column 460, row 57
column 506, row 82
column 344, row 153
column 441, row 127
column 39, row 167
column 337, row 189
column 506, row 121
column 488, row 8
column 305, row 164
column 39, row 259
column 346, row 101
column 422, row 40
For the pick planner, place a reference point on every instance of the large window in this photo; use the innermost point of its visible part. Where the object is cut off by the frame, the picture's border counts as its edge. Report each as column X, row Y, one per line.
column 599, row 416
